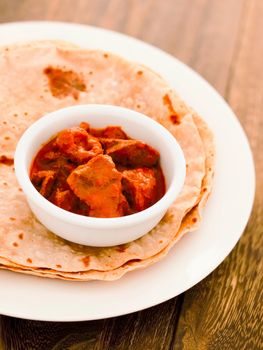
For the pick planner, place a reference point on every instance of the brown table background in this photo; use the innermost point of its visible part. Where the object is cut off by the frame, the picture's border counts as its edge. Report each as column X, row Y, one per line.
column 223, row 41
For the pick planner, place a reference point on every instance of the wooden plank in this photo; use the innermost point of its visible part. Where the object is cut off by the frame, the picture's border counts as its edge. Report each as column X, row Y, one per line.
column 226, row 311
column 142, row 330
column 149, row 329
column 24, row 334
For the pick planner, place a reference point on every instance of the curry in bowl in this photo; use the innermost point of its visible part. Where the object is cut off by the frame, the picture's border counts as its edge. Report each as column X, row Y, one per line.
column 98, row 172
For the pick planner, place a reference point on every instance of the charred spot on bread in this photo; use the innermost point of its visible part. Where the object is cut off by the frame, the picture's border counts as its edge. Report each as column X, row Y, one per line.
column 63, row 83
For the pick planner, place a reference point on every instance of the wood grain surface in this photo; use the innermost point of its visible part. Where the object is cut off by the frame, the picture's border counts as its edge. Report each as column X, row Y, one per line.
column 223, row 41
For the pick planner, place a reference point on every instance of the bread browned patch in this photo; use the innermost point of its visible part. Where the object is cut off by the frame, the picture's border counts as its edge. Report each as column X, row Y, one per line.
column 86, row 261
column 6, row 160
column 63, row 83
column 174, row 117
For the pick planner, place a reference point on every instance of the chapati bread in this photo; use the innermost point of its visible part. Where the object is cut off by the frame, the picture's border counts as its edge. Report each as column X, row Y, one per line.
column 40, row 77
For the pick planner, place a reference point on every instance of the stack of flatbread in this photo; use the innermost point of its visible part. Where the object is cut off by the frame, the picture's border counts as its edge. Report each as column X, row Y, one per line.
column 40, row 77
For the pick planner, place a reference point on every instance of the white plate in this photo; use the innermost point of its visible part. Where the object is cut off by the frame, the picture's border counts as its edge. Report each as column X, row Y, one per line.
column 198, row 253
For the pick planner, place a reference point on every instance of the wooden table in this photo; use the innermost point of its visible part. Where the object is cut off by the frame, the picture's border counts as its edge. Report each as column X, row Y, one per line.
column 223, row 41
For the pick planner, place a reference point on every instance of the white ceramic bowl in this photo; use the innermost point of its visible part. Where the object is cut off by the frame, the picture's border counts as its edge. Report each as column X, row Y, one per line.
column 92, row 231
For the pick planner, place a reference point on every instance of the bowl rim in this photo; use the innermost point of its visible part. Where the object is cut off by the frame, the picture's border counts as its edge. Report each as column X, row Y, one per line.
column 21, row 169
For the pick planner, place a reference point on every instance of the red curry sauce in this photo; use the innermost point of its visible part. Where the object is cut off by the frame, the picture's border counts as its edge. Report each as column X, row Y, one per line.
column 98, row 172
